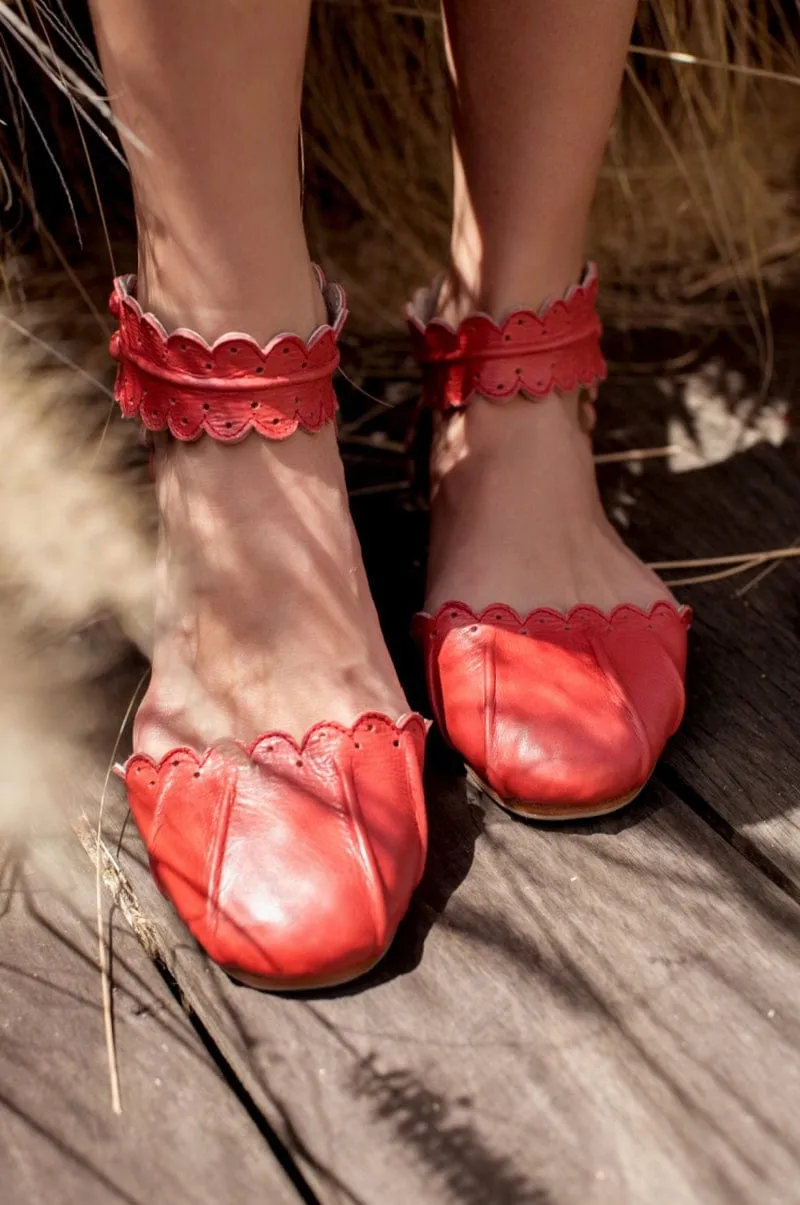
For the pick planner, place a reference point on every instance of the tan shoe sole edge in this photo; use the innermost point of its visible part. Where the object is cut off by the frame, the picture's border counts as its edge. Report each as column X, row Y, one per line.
column 280, row 986
column 530, row 810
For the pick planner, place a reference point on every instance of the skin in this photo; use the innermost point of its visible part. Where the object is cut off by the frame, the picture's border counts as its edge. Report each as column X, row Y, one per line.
column 516, row 516
column 264, row 615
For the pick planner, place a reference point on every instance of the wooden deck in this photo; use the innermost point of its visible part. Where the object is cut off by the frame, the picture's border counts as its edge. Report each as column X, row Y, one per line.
column 595, row 1015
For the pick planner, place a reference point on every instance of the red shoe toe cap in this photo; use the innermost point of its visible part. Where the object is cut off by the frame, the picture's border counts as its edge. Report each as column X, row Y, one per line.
column 560, row 711
column 291, row 865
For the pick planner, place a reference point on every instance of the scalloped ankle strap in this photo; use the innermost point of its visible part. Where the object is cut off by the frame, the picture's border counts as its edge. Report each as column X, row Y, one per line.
column 180, row 383
column 531, row 354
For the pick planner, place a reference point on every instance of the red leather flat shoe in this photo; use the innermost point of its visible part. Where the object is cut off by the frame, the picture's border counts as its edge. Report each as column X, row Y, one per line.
column 557, row 715
column 292, row 863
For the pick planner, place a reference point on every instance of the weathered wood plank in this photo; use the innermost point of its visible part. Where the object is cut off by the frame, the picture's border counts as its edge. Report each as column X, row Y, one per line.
column 182, row 1135
column 574, row 1016
column 585, row 1017
column 740, row 745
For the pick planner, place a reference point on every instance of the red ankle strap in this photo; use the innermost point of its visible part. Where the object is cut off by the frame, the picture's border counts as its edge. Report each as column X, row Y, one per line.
column 530, row 354
column 179, row 382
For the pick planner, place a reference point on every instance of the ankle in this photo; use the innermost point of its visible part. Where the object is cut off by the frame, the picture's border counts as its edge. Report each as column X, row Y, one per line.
column 294, row 478
column 217, row 295
column 487, row 435
column 497, row 281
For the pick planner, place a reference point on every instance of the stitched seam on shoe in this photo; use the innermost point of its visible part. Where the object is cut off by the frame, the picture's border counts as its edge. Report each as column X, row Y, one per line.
column 409, row 754
column 253, row 384
column 434, row 682
column 682, row 687
column 489, row 696
column 217, row 851
column 364, row 850
column 158, row 814
column 616, row 687
column 679, row 611
column 410, row 720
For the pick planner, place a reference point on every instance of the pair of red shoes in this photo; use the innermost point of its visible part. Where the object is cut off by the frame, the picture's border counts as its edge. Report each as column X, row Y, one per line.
column 294, row 863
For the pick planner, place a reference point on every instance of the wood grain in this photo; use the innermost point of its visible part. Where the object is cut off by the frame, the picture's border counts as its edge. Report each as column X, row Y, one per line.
column 580, row 1016
column 183, row 1135
column 739, row 748
column 589, row 1016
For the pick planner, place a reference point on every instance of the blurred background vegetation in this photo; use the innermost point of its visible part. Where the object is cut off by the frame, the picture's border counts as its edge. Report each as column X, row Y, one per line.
column 697, row 208
column 697, row 213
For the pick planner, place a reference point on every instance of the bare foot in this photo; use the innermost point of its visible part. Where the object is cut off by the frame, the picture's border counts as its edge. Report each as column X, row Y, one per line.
column 264, row 616
column 516, row 515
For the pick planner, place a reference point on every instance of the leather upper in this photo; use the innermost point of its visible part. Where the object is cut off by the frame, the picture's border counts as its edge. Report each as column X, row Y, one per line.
column 291, row 862
column 559, row 713
column 557, row 709
column 531, row 353
column 180, row 383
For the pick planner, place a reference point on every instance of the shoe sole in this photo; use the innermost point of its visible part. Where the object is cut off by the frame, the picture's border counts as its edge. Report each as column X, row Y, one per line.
column 285, row 987
column 548, row 813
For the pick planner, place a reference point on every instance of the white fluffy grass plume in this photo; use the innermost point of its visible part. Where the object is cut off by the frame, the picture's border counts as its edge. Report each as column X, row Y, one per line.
column 75, row 574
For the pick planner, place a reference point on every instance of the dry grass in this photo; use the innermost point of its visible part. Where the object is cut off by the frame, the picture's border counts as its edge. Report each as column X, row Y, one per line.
column 697, row 202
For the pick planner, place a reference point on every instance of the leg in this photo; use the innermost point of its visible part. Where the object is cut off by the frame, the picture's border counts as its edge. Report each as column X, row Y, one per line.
column 264, row 614
column 516, row 513
column 213, row 92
